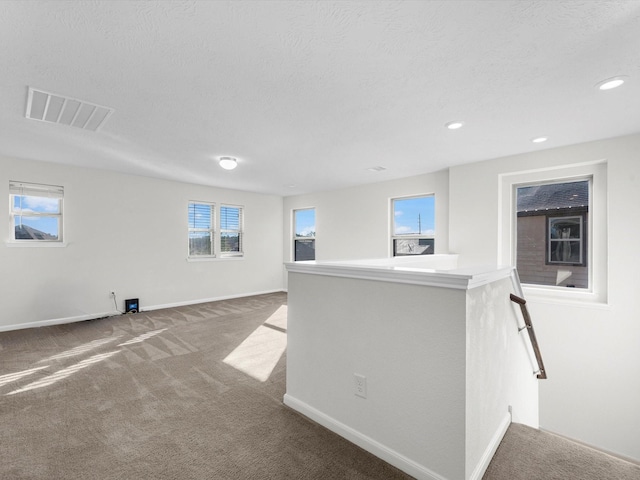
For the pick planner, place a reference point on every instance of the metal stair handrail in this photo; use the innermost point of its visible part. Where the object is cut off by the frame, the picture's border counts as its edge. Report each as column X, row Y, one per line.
column 541, row 373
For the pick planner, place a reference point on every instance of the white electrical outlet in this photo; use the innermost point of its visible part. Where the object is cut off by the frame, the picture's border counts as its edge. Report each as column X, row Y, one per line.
column 360, row 385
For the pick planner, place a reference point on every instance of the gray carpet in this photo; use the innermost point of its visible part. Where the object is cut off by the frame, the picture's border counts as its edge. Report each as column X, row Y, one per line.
column 196, row 393
column 148, row 396
column 529, row 454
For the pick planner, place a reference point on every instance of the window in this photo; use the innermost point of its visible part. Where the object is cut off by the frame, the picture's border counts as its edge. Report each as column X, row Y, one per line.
column 552, row 235
column 549, row 274
column 231, row 231
column 413, row 225
column 304, row 237
column 565, row 240
column 36, row 212
column 201, row 229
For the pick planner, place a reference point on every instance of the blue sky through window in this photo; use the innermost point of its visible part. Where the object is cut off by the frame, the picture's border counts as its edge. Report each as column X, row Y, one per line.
column 30, row 211
column 200, row 216
column 230, row 218
column 43, row 224
column 305, row 222
column 414, row 216
column 29, row 204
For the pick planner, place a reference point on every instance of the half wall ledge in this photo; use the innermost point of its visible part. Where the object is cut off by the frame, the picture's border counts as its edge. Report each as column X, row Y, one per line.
column 436, row 346
column 429, row 270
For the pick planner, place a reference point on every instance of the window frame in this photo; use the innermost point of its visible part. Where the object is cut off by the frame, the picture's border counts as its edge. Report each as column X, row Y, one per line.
column 296, row 238
column 417, row 236
column 211, row 230
column 597, row 232
column 239, row 231
column 35, row 190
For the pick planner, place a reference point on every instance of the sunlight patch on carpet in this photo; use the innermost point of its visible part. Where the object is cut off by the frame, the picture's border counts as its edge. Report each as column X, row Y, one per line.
column 81, row 349
column 260, row 352
column 143, row 337
column 64, row 373
column 12, row 377
column 279, row 318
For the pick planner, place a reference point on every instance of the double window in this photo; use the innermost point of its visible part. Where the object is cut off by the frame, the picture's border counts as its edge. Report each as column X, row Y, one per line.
column 205, row 239
column 304, row 236
column 36, row 212
column 413, row 225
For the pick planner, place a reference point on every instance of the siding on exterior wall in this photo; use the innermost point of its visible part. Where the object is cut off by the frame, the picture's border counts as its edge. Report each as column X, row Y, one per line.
column 532, row 266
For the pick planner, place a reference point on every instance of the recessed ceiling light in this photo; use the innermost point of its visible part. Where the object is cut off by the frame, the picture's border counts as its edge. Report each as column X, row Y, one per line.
column 539, row 139
column 454, row 125
column 376, row 169
column 228, row 163
column 611, row 83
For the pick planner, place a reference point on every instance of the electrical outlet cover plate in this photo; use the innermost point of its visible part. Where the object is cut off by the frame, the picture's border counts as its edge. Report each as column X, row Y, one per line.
column 360, row 385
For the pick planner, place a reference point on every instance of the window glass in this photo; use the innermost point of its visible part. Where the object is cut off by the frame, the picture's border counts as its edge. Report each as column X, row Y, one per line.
column 413, row 225
column 304, row 241
column 552, row 234
column 201, row 229
column 36, row 212
column 231, row 231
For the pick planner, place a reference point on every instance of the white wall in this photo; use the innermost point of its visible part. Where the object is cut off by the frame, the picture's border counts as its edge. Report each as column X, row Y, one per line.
column 354, row 223
column 127, row 233
column 443, row 366
column 499, row 370
column 409, row 343
column 591, row 352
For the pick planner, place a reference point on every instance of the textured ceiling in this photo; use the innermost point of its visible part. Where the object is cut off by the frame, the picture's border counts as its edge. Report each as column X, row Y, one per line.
column 308, row 95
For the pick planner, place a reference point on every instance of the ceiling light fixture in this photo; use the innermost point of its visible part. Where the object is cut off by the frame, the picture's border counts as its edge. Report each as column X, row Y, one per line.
column 454, row 125
column 228, row 163
column 611, row 83
column 539, row 139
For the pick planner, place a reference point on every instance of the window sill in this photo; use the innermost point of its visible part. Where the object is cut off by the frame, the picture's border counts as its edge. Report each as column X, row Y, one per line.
column 213, row 259
column 35, row 244
column 573, row 298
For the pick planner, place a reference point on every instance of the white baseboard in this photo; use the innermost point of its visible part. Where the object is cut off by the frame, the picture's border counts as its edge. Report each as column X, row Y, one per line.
column 490, row 451
column 93, row 316
column 206, row 300
column 390, row 456
column 56, row 321
column 635, row 461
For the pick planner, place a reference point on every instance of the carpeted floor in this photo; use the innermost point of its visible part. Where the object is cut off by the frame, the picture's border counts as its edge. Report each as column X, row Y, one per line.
column 196, row 393
column 526, row 453
column 149, row 396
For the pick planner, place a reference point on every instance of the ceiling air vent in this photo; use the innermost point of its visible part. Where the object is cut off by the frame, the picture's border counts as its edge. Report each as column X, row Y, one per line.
column 50, row 107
